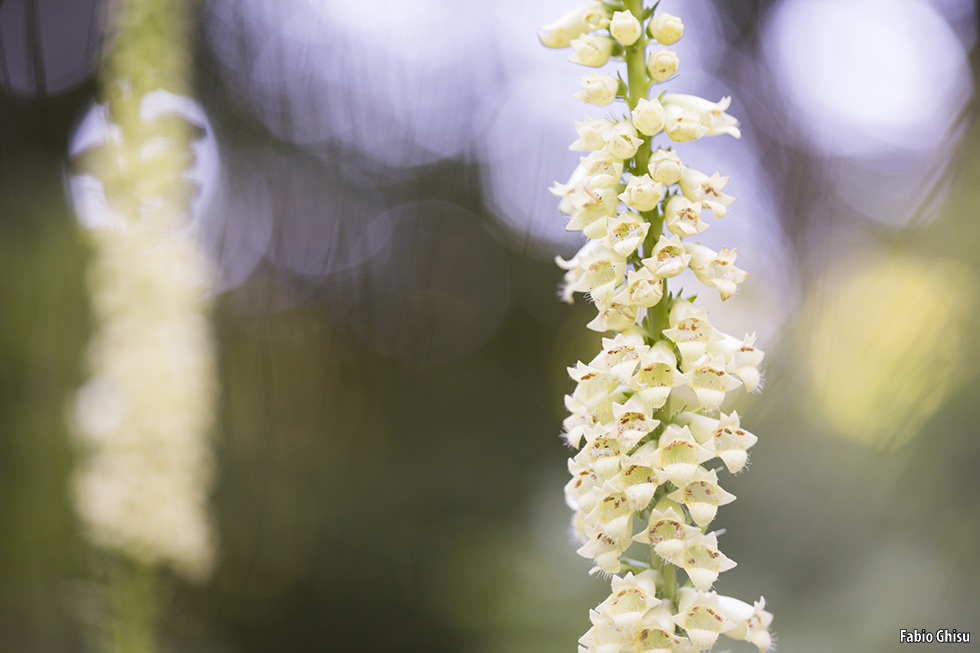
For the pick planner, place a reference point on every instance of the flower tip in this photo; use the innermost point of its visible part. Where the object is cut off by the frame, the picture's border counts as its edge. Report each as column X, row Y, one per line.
column 734, row 459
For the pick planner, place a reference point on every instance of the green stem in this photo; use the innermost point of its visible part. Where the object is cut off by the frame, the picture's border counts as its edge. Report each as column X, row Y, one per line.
column 670, row 583
column 657, row 316
column 639, row 82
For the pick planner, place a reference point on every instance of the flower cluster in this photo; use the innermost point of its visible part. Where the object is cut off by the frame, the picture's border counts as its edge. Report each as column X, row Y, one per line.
column 642, row 456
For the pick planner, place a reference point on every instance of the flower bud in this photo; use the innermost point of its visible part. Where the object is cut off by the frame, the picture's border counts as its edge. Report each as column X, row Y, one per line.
column 578, row 21
column 591, row 50
column 648, row 116
column 666, row 29
column 598, row 89
column 625, row 28
column 666, row 167
column 642, row 193
column 662, row 65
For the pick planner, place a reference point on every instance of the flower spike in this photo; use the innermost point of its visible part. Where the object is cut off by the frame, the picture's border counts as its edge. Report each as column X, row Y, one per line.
column 642, row 442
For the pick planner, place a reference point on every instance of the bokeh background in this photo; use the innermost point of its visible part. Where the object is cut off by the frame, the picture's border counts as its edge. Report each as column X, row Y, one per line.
column 392, row 353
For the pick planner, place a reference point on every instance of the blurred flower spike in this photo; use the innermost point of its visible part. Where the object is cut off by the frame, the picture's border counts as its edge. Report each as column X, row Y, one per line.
column 143, row 420
column 641, row 450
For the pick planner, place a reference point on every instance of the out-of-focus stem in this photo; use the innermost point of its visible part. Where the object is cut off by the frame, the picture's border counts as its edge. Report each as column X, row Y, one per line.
column 132, row 595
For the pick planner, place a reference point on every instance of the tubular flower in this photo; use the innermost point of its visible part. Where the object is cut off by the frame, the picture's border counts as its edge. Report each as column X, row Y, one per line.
column 620, row 355
column 680, row 456
column 669, row 258
column 711, row 382
column 657, row 375
column 642, row 193
column 590, row 133
column 642, row 459
column 632, row 420
column 632, row 597
column 621, row 140
column 668, row 532
column 710, row 114
column 703, row 561
column 576, row 22
column 690, row 330
column 702, row 496
column 643, row 288
column 728, row 440
column 638, row 479
column 602, row 170
column 700, row 615
column 742, row 359
column 699, row 187
column 716, row 269
column 751, row 621
column 682, row 124
column 684, row 217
